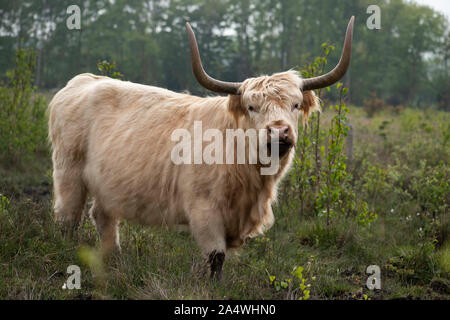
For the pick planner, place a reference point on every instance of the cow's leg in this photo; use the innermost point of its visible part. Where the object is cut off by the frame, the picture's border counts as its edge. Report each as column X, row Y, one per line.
column 208, row 230
column 107, row 227
column 69, row 196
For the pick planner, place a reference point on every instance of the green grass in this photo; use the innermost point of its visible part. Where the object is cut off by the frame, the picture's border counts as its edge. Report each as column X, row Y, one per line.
column 409, row 240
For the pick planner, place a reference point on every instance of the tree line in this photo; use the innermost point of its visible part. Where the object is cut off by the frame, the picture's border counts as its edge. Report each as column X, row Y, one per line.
column 404, row 63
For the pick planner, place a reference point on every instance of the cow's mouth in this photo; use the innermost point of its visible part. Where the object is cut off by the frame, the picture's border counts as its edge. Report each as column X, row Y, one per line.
column 284, row 146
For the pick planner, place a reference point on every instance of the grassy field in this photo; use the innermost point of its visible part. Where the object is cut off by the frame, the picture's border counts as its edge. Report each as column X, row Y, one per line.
column 399, row 168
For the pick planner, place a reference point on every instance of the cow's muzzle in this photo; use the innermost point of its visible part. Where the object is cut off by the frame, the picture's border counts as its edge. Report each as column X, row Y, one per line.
column 283, row 147
column 281, row 136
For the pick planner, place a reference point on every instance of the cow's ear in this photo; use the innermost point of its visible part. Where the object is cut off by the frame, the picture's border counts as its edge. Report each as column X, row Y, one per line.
column 235, row 106
column 310, row 104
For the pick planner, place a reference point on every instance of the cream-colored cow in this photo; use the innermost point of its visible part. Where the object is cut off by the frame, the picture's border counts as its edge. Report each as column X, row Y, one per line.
column 112, row 139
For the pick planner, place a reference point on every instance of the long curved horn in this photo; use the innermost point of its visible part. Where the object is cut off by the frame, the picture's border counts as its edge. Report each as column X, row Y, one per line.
column 338, row 72
column 202, row 77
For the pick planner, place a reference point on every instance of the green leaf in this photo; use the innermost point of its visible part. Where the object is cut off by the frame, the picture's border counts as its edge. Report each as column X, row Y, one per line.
column 306, row 295
column 298, row 272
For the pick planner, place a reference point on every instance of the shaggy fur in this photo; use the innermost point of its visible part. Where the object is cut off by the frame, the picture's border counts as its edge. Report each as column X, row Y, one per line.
column 112, row 139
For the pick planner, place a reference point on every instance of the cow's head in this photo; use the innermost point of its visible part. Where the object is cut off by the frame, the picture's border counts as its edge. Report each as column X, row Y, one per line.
column 273, row 102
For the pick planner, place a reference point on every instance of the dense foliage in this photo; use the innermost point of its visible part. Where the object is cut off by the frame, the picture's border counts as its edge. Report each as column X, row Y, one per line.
column 403, row 63
column 23, row 124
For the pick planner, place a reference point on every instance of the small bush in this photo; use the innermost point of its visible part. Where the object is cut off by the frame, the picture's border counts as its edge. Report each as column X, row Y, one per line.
column 414, row 264
column 108, row 69
column 23, row 127
column 373, row 105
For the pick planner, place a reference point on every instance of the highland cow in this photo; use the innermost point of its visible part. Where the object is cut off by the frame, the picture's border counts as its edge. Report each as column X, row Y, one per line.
column 111, row 140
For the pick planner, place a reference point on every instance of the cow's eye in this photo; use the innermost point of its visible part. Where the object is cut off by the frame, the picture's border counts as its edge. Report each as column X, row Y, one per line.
column 295, row 107
column 251, row 108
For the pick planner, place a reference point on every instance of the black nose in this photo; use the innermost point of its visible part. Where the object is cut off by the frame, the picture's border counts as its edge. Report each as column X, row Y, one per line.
column 278, row 132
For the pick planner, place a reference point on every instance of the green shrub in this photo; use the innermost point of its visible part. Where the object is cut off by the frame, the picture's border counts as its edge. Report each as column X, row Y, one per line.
column 108, row 69
column 431, row 187
column 414, row 264
column 4, row 204
column 320, row 183
column 23, row 128
column 295, row 287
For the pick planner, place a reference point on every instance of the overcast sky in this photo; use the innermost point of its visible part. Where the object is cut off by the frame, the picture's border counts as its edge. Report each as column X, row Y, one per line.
column 439, row 5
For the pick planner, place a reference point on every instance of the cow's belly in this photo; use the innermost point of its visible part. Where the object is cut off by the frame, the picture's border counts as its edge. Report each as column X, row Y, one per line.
column 154, row 214
column 144, row 211
column 121, row 195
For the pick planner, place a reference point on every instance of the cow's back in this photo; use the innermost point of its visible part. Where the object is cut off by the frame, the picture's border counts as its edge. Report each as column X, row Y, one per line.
column 120, row 132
